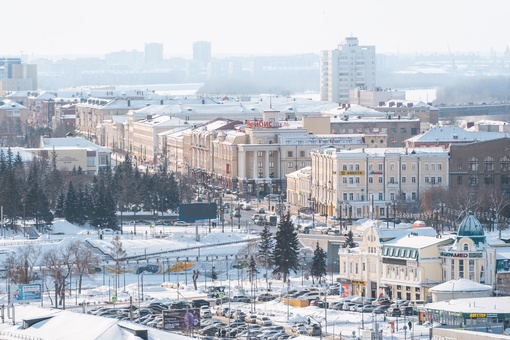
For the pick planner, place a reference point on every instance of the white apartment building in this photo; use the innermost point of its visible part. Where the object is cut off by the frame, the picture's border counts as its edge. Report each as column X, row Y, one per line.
column 366, row 182
column 348, row 67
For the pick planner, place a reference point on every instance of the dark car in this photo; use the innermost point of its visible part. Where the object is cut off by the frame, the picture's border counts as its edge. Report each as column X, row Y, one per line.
column 393, row 311
column 265, row 297
column 380, row 309
column 407, row 310
column 179, row 305
column 197, row 303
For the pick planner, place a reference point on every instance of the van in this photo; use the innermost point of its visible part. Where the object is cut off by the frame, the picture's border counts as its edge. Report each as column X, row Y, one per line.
column 272, row 197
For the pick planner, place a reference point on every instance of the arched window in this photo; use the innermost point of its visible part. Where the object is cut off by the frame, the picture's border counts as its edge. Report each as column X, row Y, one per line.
column 489, row 163
column 505, row 163
column 466, row 247
column 473, row 164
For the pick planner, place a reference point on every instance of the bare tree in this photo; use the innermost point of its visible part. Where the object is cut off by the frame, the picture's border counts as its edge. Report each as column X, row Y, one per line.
column 118, row 253
column 85, row 258
column 20, row 266
column 59, row 263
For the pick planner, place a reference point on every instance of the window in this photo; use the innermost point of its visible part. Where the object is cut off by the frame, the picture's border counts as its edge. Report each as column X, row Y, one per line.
column 91, row 161
column 489, row 163
column 452, row 268
column 290, row 164
column 271, row 153
column 290, row 154
column 473, row 164
column 356, row 167
column 392, row 180
column 404, row 180
column 459, row 166
column 471, row 269
column 404, row 196
column 380, row 179
column 439, row 179
column 473, row 180
column 379, row 166
column 260, row 153
column 432, row 180
column 261, row 164
column 505, row 163
column 357, row 180
column 351, row 196
column 102, row 160
column 392, row 166
column 345, row 196
column 344, row 180
column 426, row 179
column 381, row 197
column 459, row 180
column 271, row 164
column 351, row 180
column 505, row 179
column 404, row 167
column 302, row 154
column 370, row 167
column 413, row 195
column 461, row 269
column 465, row 247
column 426, row 166
column 370, row 180
column 261, row 175
column 488, row 180
column 413, row 179
column 344, row 167
column 439, row 166
column 413, row 166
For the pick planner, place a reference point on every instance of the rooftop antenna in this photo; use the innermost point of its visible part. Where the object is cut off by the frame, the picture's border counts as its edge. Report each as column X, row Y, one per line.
column 270, row 100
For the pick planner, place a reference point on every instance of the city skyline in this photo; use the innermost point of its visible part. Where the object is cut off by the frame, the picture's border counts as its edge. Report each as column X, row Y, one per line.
column 285, row 27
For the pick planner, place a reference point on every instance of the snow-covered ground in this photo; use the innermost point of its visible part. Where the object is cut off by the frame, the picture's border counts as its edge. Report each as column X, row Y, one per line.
column 214, row 249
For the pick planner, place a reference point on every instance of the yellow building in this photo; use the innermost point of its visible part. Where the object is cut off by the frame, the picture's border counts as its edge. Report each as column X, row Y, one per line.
column 365, row 182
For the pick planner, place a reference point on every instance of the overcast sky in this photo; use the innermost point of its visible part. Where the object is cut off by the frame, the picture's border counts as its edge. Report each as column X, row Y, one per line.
column 252, row 27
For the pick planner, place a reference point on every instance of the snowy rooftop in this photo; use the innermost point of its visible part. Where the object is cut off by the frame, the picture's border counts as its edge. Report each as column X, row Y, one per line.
column 50, row 143
column 417, row 242
column 500, row 304
column 460, row 285
column 455, row 134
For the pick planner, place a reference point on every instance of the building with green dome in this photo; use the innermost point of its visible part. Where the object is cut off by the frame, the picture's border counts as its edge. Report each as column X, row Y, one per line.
column 470, row 256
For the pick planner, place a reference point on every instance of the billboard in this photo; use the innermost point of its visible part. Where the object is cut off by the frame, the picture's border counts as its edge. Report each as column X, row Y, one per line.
column 184, row 319
column 28, row 293
column 197, row 211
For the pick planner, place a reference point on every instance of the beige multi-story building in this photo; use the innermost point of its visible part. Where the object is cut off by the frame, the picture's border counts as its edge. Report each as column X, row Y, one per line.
column 365, row 182
column 363, row 270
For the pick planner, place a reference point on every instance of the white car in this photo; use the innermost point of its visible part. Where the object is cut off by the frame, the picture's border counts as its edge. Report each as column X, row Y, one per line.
column 264, row 321
column 181, row 224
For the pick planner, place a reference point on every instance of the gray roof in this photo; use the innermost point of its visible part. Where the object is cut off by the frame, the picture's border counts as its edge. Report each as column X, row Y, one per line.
column 455, row 134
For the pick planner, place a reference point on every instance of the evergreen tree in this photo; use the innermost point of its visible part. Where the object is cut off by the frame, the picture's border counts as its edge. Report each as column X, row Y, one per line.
column 265, row 250
column 349, row 240
column 286, row 250
column 252, row 269
column 318, row 269
column 59, row 208
column 71, row 205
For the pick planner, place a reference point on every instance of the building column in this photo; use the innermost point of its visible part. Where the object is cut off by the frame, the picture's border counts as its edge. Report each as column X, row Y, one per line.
column 255, row 164
column 241, row 163
column 266, row 164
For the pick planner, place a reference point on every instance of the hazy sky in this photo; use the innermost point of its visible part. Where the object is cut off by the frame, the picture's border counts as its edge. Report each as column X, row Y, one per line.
column 249, row 27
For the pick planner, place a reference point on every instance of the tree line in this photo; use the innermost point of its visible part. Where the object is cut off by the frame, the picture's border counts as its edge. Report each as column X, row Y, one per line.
column 38, row 190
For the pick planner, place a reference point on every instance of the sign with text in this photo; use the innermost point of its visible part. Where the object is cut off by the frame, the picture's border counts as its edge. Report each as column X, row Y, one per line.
column 28, row 293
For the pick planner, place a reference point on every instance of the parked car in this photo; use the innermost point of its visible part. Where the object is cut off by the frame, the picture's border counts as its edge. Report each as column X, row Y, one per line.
column 264, row 321
column 181, row 224
column 252, row 319
column 205, row 312
column 380, row 309
column 197, row 303
column 265, row 297
column 241, row 298
column 393, row 311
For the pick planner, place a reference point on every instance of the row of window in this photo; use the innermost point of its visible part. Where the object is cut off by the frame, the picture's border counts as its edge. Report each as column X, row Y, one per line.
column 402, row 271
column 488, row 163
column 350, row 196
column 399, row 252
column 473, row 180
